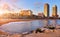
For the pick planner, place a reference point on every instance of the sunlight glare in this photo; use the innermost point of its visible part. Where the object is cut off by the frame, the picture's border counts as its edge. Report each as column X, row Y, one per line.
column 1, row 11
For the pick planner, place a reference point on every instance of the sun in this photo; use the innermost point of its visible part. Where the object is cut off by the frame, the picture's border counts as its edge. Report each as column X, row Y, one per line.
column 1, row 12
column 4, row 11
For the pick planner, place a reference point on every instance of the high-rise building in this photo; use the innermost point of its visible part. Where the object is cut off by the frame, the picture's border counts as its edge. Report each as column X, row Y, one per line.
column 46, row 10
column 26, row 12
column 54, row 11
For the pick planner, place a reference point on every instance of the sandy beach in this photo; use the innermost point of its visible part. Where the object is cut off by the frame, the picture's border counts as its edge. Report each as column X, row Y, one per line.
column 4, row 21
column 47, row 33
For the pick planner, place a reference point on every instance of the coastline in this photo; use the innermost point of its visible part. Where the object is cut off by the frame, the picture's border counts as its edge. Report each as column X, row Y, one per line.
column 4, row 21
column 47, row 33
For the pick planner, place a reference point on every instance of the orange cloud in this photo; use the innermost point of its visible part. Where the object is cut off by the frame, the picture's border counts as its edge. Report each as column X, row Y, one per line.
column 5, row 6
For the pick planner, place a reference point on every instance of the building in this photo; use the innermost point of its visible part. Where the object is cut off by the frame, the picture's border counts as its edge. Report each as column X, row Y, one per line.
column 54, row 11
column 41, row 15
column 46, row 10
column 26, row 13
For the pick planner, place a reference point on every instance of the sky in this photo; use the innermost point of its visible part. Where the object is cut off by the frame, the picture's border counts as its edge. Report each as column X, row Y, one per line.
column 35, row 5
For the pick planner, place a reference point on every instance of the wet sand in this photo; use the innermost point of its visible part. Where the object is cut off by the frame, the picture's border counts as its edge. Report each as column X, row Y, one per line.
column 4, row 21
column 56, row 33
column 46, row 34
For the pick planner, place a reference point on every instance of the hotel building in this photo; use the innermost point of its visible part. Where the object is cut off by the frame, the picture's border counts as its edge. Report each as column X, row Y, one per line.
column 46, row 10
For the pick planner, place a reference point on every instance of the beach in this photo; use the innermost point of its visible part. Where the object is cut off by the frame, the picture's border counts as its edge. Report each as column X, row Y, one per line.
column 4, row 21
column 46, row 33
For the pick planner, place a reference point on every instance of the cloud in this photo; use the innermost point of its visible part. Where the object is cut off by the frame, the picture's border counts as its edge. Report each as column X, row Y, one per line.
column 10, row 5
column 6, row 6
column 38, row 3
column 10, row 0
column 14, row 0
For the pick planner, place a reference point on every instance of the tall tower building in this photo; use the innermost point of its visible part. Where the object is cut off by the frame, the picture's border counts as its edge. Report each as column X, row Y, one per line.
column 46, row 10
column 54, row 11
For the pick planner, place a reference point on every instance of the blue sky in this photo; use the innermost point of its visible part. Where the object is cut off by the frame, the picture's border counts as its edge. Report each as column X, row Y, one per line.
column 38, row 5
column 34, row 5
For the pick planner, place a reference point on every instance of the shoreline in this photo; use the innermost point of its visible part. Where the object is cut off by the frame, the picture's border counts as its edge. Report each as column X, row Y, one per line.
column 47, row 33
column 4, row 21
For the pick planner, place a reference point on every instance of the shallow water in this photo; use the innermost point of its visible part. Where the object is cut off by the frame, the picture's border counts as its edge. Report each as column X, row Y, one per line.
column 26, row 26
